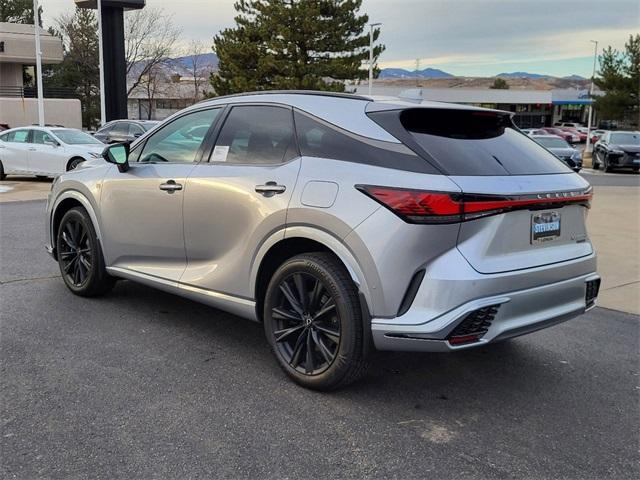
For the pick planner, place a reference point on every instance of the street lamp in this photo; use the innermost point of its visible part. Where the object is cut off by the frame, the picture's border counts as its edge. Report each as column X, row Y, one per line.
column 371, row 25
column 36, row 22
column 103, row 106
column 595, row 57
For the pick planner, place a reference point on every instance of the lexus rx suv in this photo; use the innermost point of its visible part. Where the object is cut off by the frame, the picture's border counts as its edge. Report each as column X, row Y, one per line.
column 342, row 223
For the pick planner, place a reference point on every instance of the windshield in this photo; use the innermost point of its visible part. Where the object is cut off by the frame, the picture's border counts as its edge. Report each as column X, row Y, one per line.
column 625, row 138
column 551, row 142
column 76, row 137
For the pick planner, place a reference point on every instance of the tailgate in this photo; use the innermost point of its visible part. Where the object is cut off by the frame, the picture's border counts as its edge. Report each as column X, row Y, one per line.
column 506, row 242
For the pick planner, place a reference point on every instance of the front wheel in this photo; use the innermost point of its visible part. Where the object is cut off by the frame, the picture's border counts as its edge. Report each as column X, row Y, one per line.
column 2, row 174
column 596, row 162
column 605, row 164
column 313, row 322
column 80, row 256
column 73, row 163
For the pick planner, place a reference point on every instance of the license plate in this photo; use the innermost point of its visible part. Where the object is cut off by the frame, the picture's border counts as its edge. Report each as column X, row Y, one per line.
column 545, row 227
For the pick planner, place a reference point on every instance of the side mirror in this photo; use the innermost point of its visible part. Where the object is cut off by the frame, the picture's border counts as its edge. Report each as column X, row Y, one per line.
column 137, row 135
column 117, row 153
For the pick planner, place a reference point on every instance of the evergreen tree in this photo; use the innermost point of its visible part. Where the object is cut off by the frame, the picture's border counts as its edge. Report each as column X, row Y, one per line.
column 293, row 44
column 80, row 68
column 500, row 84
column 18, row 11
column 619, row 77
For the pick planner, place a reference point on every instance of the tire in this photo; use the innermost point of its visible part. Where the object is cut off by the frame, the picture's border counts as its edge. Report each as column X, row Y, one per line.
column 2, row 175
column 80, row 255
column 596, row 163
column 605, row 164
column 320, row 351
column 73, row 163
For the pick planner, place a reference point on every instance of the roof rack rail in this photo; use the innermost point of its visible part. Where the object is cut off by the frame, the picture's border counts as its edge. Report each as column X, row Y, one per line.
column 319, row 93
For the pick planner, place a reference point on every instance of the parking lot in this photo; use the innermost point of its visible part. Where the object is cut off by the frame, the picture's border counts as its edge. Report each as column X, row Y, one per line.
column 143, row 384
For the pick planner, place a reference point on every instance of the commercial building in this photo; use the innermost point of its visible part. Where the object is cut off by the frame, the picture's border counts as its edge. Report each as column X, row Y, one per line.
column 18, row 102
column 531, row 108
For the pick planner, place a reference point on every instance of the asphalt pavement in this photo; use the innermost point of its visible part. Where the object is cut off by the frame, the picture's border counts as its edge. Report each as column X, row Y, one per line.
column 143, row 384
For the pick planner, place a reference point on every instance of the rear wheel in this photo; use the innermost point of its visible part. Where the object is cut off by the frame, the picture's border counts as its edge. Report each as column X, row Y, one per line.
column 313, row 322
column 2, row 175
column 80, row 256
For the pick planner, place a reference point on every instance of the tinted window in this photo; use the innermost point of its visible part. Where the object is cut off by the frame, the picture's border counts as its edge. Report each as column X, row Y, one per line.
column 120, row 128
column 552, row 142
column 39, row 136
column 18, row 136
column 134, row 129
column 76, row 137
column 625, row 138
column 180, row 140
column 256, row 135
column 317, row 138
column 471, row 142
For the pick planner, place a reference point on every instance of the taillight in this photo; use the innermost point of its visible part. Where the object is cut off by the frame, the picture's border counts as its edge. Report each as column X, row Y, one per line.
column 420, row 206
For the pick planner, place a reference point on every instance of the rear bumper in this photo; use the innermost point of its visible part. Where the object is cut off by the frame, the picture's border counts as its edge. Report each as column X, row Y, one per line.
column 517, row 312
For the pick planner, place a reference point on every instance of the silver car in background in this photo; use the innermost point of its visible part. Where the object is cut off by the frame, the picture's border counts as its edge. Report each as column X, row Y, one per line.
column 341, row 223
column 561, row 149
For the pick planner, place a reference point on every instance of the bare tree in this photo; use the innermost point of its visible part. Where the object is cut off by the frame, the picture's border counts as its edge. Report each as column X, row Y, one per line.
column 152, row 83
column 196, row 51
column 150, row 38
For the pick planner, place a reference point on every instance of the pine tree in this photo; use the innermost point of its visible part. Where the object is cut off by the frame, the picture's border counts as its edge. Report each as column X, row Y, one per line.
column 500, row 84
column 619, row 77
column 18, row 11
column 293, row 44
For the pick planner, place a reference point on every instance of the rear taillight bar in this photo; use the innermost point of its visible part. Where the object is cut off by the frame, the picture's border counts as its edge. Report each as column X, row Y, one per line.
column 421, row 206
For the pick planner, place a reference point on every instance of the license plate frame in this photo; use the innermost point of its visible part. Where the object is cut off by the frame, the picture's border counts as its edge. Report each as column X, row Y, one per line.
column 545, row 227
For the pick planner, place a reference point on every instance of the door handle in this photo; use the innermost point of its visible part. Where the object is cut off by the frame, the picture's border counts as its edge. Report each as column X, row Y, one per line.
column 170, row 186
column 270, row 189
column 31, row 149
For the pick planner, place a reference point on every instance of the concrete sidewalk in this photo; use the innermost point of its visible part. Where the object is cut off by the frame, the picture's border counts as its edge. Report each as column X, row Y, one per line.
column 613, row 223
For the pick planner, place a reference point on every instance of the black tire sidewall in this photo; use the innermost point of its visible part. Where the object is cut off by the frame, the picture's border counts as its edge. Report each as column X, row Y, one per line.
column 350, row 347
column 80, row 214
column 74, row 162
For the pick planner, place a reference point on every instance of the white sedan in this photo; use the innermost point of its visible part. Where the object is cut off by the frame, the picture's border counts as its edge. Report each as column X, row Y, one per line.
column 45, row 151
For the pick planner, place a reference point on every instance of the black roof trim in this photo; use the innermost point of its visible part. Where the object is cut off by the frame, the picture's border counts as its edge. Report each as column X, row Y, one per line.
column 319, row 93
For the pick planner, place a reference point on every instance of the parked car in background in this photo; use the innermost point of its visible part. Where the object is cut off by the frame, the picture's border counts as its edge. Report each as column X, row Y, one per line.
column 308, row 212
column 533, row 131
column 45, row 151
column 582, row 136
column 561, row 149
column 120, row 131
column 617, row 150
column 568, row 124
column 568, row 136
column 596, row 134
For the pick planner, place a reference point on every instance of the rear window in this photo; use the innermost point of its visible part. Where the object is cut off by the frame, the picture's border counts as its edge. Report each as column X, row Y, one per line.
column 474, row 142
column 552, row 142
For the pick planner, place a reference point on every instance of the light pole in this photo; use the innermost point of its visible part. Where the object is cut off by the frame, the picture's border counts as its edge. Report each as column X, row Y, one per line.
column 36, row 21
column 595, row 57
column 371, row 25
column 103, row 110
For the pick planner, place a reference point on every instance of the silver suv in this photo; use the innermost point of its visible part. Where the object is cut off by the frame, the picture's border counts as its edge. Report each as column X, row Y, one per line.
column 342, row 223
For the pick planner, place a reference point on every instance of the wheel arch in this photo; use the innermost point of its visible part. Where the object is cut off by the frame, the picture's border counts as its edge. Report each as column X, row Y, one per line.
column 299, row 240
column 65, row 202
column 68, row 164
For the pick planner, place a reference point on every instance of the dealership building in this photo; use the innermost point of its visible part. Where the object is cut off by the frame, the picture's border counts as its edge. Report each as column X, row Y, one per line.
column 531, row 108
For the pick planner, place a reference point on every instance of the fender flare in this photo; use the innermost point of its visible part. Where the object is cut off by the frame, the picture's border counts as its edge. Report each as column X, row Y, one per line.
column 334, row 244
column 84, row 201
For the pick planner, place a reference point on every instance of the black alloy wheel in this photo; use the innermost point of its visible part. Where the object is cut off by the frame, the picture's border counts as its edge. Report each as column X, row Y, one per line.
column 306, row 324
column 75, row 253
column 314, row 322
column 80, row 256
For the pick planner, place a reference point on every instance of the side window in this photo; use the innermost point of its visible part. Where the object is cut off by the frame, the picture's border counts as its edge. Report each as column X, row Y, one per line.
column 106, row 128
column 38, row 136
column 179, row 141
column 19, row 136
column 256, row 135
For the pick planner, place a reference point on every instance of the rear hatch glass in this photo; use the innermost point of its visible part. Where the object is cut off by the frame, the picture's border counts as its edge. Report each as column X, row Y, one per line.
column 477, row 142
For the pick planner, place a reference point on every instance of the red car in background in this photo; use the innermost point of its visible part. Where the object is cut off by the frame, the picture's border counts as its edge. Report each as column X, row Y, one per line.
column 596, row 135
column 582, row 136
column 565, row 135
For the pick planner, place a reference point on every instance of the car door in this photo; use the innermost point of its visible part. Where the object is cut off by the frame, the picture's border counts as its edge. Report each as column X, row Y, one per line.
column 239, row 197
column 14, row 151
column 46, row 155
column 141, row 209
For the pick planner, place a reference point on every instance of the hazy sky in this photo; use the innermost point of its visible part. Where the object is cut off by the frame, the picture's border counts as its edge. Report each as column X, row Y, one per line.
column 463, row 37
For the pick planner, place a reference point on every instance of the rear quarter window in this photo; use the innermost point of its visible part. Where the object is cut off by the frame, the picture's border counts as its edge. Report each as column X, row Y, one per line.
column 476, row 142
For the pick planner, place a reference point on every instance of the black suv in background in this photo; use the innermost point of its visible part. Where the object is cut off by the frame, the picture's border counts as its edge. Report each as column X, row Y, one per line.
column 119, row 131
column 617, row 150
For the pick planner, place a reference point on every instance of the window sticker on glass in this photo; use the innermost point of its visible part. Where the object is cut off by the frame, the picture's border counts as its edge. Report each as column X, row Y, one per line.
column 220, row 153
